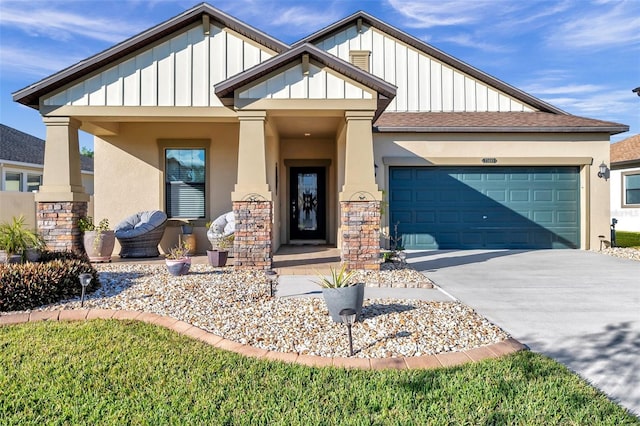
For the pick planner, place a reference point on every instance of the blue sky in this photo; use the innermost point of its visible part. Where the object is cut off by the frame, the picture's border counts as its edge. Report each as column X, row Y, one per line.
column 581, row 56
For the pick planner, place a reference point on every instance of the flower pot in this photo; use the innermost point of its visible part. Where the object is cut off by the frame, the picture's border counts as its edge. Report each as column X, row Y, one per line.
column 341, row 298
column 217, row 258
column 177, row 267
column 99, row 245
column 189, row 240
column 32, row 255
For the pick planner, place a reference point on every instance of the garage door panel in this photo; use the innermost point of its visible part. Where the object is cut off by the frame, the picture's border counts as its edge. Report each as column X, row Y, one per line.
column 401, row 195
column 425, row 217
column 486, row 207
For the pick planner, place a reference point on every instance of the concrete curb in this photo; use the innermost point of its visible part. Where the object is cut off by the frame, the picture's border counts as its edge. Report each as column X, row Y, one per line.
column 446, row 359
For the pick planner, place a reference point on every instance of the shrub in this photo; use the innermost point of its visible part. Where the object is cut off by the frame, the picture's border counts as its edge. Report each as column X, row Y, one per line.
column 29, row 285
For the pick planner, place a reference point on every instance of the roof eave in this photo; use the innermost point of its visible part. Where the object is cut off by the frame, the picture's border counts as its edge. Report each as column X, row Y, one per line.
column 625, row 163
column 386, row 91
column 30, row 95
column 496, row 129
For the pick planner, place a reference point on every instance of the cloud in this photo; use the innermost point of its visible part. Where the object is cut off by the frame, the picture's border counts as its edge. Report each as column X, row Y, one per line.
column 605, row 25
column 31, row 62
column 423, row 14
column 43, row 21
column 475, row 42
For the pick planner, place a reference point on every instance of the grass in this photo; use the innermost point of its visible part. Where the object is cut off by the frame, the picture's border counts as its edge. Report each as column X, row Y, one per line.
column 113, row 372
column 628, row 239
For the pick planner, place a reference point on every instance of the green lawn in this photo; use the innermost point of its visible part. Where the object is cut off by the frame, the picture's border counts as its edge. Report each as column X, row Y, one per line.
column 126, row 372
column 628, row 239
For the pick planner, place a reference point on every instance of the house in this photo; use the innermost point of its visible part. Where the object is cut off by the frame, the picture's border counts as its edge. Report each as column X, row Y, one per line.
column 21, row 171
column 22, row 162
column 310, row 142
column 625, row 183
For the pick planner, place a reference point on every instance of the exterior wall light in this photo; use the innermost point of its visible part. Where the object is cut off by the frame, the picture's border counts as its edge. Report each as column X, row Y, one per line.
column 85, row 279
column 348, row 318
column 603, row 171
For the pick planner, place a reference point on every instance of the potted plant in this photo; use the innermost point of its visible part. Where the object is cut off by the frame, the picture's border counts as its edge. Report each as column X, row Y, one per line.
column 219, row 253
column 16, row 241
column 340, row 292
column 178, row 261
column 98, row 240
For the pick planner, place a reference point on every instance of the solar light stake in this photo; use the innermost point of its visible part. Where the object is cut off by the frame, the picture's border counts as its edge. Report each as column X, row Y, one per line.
column 85, row 279
column 272, row 276
column 348, row 318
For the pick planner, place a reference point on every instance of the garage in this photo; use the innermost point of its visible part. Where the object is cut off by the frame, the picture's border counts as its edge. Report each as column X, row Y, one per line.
column 485, row 207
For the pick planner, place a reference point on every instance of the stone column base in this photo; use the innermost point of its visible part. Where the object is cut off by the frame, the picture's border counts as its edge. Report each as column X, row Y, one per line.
column 252, row 244
column 58, row 224
column 360, row 234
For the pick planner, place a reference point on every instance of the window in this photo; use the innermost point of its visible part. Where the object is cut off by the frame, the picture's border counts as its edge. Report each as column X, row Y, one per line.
column 185, row 172
column 632, row 188
column 12, row 181
column 33, row 182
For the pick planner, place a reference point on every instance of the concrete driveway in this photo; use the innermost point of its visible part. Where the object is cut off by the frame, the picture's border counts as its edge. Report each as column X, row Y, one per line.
column 580, row 308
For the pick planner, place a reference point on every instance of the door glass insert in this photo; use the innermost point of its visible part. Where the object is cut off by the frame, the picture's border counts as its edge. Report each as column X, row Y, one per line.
column 308, row 201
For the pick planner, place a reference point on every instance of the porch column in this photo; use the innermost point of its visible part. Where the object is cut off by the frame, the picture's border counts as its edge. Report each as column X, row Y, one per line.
column 360, row 197
column 252, row 199
column 61, row 199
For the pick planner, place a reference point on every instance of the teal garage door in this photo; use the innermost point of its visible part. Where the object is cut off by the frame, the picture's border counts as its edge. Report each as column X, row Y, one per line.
column 485, row 207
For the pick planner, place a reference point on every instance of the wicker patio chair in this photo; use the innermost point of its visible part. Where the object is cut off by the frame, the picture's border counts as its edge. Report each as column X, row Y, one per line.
column 140, row 234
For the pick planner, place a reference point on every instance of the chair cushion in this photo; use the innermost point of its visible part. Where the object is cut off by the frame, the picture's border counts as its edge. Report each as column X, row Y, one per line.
column 140, row 223
column 223, row 226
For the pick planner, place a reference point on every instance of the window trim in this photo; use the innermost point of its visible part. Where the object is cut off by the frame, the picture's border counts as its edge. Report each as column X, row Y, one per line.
column 623, row 189
column 24, row 176
column 163, row 145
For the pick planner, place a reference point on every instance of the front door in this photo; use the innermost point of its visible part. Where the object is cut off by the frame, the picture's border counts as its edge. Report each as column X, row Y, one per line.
column 307, row 203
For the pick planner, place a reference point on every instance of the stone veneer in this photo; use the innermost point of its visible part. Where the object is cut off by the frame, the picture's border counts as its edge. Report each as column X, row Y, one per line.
column 58, row 224
column 360, row 234
column 252, row 243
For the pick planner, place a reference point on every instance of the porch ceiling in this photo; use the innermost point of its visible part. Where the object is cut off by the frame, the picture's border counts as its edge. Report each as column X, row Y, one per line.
column 291, row 127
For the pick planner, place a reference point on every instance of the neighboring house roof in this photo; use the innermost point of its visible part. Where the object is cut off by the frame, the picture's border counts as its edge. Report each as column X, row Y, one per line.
column 492, row 122
column 20, row 147
column 626, row 151
column 30, row 95
column 385, row 91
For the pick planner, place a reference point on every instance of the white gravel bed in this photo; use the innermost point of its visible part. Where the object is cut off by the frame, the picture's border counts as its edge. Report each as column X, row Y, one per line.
column 236, row 305
column 623, row 252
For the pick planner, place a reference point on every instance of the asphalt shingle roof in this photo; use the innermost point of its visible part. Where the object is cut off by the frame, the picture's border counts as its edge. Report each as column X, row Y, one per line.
column 492, row 122
column 626, row 150
column 25, row 148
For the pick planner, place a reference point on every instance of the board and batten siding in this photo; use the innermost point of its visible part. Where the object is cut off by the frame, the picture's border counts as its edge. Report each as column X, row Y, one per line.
column 292, row 83
column 180, row 71
column 423, row 83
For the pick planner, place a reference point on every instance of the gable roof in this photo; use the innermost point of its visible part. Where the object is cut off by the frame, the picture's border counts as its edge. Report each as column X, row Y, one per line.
column 492, row 122
column 30, row 95
column 20, row 147
column 626, row 151
column 362, row 17
column 386, row 91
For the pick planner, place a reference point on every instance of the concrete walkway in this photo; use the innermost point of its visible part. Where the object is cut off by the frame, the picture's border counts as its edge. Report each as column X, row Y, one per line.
column 580, row 308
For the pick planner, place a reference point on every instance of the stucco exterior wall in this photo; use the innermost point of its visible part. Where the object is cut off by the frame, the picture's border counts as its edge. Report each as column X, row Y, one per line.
column 129, row 178
column 628, row 217
column 413, row 149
